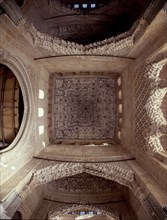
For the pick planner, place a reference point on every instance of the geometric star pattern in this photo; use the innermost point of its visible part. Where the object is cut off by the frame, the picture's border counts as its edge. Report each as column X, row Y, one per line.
column 84, row 108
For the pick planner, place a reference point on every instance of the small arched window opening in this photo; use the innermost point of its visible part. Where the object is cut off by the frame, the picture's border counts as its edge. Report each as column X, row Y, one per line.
column 120, row 121
column 119, row 81
column 41, row 94
column 11, row 106
column 120, row 94
column 40, row 112
column 41, row 129
column 119, row 135
column 120, row 108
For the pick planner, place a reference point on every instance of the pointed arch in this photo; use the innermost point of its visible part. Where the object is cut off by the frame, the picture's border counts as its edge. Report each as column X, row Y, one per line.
column 119, row 172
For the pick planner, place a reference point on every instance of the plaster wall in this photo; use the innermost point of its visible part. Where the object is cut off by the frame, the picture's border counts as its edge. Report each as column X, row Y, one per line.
column 127, row 123
column 31, row 203
column 138, row 209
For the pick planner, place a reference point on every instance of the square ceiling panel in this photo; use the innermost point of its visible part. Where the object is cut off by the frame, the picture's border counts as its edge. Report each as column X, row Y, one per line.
column 84, row 108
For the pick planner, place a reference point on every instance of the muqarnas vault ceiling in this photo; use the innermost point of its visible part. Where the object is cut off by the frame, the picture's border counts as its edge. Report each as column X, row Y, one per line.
column 84, row 25
column 77, row 184
column 84, row 108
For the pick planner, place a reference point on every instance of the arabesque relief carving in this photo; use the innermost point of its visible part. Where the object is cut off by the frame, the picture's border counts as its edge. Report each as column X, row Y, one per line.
column 148, row 113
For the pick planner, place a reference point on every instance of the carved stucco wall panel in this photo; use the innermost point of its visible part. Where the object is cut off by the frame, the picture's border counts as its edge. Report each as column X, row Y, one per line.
column 116, row 171
column 153, row 106
column 82, row 183
column 60, row 47
column 148, row 113
column 116, row 46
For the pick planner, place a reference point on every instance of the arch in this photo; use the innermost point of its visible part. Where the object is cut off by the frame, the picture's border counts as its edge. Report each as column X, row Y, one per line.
column 66, row 208
column 21, row 74
column 12, row 106
column 119, row 172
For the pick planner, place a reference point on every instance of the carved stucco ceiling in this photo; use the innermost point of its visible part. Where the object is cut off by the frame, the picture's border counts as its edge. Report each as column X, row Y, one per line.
column 56, row 18
column 84, row 108
column 83, row 183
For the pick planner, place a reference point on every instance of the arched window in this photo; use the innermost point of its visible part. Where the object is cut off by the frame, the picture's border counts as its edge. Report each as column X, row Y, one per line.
column 40, row 112
column 119, row 81
column 120, row 94
column 41, row 94
column 11, row 106
column 41, row 129
column 120, row 121
column 119, row 135
column 120, row 108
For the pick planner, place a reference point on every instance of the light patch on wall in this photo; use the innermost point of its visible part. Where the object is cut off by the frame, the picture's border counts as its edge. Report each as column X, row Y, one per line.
column 43, row 143
column 120, row 121
column 41, row 129
column 3, row 161
column 119, row 81
column 84, row 5
column 41, row 94
column 120, row 94
column 40, row 112
column 119, row 135
column 120, row 108
column 13, row 167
